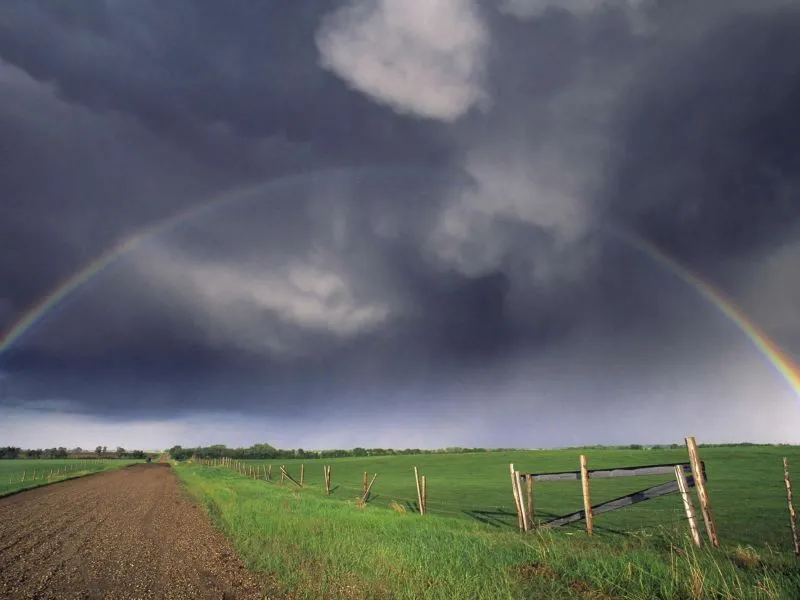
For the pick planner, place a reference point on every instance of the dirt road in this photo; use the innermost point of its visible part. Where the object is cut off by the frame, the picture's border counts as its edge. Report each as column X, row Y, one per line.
column 126, row 534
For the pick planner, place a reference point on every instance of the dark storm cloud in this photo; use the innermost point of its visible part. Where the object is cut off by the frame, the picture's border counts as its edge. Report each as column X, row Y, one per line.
column 184, row 65
column 709, row 150
column 341, row 285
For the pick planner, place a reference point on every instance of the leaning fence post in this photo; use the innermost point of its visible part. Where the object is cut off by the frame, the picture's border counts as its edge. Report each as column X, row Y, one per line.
column 688, row 506
column 792, row 515
column 702, row 492
column 419, row 492
column 518, row 482
column 517, row 499
column 587, row 500
column 369, row 487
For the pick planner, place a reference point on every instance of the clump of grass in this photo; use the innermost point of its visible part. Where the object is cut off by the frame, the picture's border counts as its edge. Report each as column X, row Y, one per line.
column 746, row 557
column 398, row 508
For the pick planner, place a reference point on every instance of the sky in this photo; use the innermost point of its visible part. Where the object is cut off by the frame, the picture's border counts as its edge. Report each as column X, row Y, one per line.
column 391, row 223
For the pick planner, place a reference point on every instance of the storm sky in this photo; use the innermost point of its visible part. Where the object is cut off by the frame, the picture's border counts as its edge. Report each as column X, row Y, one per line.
column 412, row 223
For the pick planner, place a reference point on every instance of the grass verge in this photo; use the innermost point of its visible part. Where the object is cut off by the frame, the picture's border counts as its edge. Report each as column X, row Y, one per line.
column 318, row 547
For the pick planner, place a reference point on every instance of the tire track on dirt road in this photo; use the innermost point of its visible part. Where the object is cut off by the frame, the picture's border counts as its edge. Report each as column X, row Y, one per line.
column 131, row 533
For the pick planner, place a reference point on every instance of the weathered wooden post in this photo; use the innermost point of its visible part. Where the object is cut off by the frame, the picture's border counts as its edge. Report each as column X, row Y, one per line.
column 688, row 505
column 587, row 499
column 702, row 492
column 517, row 499
column 531, row 507
column 424, row 495
column 419, row 492
column 792, row 515
column 285, row 473
column 369, row 487
column 518, row 482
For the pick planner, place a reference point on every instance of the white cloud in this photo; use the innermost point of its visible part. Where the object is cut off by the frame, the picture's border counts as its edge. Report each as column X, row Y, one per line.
column 232, row 299
column 419, row 57
column 548, row 181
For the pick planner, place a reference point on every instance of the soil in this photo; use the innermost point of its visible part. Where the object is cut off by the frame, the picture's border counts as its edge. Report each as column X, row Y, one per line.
column 131, row 533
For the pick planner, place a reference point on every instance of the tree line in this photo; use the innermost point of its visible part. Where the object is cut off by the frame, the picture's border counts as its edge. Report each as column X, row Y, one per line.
column 266, row 451
column 13, row 452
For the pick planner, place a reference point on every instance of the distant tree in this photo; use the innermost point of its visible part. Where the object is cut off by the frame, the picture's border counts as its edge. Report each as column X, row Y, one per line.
column 10, row 452
column 120, row 452
column 98, row 450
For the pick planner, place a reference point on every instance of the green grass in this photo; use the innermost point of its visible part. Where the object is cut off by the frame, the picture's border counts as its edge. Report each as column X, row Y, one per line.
column 37, row 472
column 330, row 547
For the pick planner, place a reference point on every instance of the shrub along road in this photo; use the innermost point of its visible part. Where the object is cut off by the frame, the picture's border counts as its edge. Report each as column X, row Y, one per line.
column 131, row 533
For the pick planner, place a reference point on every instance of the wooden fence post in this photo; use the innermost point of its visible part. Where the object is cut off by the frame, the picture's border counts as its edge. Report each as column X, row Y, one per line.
column 702, row 492
column 364, row 484
column 517, row 499
column 269, row 473
column 688, row 506
column 518, row 482
column 302, row 474
column 285, row 473
column 424, row 495
column 529, row 481
column 419, row 492
column 587, row 499
column 369, row 487
column 327, row 472
column 792, row 515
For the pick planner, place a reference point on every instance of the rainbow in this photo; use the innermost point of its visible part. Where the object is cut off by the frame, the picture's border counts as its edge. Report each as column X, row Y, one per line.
column 70, row 285
column 66, row 288
column 782, row 362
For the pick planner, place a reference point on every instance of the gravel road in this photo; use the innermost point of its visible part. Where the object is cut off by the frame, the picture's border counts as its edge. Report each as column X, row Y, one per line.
column 131, row 533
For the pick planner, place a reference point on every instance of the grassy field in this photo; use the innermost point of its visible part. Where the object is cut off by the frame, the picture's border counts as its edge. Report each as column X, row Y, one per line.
column 21, row 474
column 468, row 546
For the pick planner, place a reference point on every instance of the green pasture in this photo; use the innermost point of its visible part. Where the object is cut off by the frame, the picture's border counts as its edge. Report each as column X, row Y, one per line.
column 21, row 474
column 468, row 545
column 745, row 486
